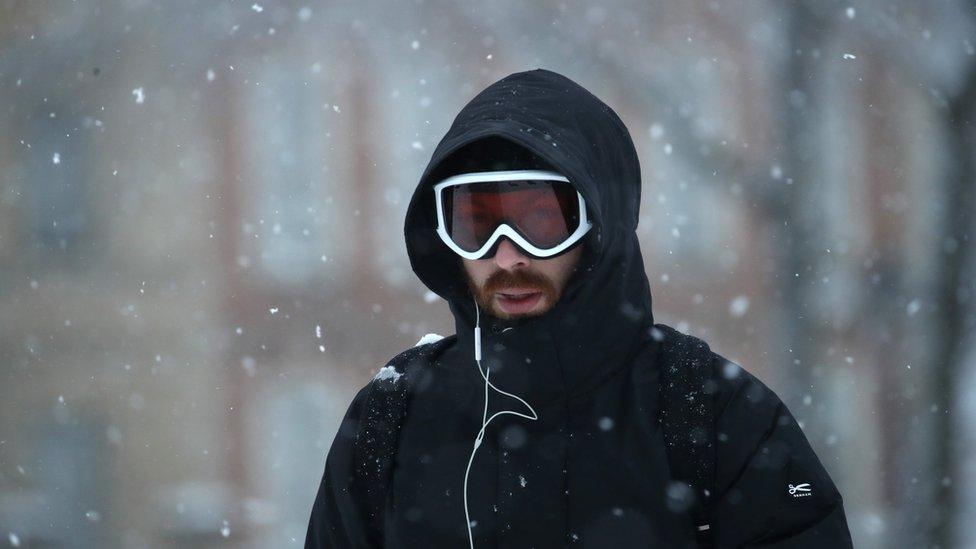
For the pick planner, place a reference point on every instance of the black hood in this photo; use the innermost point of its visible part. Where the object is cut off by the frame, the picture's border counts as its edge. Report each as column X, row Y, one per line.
column 605, row 311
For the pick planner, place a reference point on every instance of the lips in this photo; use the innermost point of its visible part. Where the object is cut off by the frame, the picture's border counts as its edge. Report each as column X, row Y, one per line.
column 518, row 300
column 518, row 292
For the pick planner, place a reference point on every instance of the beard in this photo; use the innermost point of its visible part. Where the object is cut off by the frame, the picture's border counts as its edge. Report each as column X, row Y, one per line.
column 502, row 279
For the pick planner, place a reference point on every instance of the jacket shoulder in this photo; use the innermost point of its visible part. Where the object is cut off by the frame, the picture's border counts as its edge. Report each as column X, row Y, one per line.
column 747, row 414
column 428, row 346
column 725, row 380
column 348, row 508
column 770, row 485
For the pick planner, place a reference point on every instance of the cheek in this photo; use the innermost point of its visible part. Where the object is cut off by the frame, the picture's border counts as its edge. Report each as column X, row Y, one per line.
column 564, row 268
column 478, row 271
column 562, row 277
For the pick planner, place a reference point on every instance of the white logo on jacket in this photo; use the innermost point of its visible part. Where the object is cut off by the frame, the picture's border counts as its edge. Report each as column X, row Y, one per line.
column 800, row 490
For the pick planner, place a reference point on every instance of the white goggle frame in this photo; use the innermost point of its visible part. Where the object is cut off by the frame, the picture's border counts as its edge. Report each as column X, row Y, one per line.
column 505, row 229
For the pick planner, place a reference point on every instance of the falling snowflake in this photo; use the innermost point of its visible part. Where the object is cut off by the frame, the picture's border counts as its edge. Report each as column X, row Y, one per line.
column 738, row 306
column 249, row 365
column 730, row 370
column 140, row 95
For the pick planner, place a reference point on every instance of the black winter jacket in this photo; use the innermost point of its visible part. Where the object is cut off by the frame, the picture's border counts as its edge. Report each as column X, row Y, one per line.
column 592, row 470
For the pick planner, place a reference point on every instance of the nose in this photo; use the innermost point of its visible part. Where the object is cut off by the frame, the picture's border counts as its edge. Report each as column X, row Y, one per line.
column 509, row 257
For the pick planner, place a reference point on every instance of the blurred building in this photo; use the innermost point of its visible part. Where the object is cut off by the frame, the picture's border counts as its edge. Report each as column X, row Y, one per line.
column 201, row 253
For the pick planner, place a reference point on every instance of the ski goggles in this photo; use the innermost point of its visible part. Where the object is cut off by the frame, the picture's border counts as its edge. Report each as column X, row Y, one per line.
column 540, row 211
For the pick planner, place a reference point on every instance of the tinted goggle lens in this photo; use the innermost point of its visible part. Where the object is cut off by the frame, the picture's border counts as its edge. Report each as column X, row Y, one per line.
column 544, row 212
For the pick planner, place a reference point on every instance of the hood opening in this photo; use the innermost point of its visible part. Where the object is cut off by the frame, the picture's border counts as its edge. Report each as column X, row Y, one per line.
column 444, row 270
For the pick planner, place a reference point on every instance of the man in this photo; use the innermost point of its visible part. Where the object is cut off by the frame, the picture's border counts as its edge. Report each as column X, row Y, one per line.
column 539, row 424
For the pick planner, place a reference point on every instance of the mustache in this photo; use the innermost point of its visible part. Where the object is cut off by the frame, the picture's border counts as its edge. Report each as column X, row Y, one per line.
column 502, row 279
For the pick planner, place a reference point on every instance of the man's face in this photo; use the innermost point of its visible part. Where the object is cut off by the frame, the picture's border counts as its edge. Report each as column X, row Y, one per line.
column 513, row 285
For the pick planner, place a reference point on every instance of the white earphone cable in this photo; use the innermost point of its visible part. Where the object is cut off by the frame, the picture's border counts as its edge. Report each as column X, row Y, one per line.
column 485, row 422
